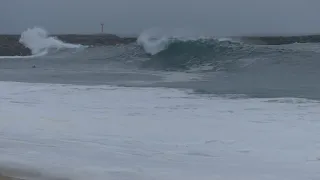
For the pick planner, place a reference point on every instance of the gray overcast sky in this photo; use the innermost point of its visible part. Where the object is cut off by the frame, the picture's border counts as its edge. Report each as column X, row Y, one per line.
column 214, row 17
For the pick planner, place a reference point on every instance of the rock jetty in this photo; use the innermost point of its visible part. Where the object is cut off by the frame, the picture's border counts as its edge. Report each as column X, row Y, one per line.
column 10, row 45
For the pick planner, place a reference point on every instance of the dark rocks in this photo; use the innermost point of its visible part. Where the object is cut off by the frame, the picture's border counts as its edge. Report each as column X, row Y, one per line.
column 10, row 46
column 278, row 40
column 95, row 40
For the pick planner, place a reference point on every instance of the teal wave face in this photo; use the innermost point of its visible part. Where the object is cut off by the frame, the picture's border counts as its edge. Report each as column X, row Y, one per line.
column 182, row 55
column 226, row 55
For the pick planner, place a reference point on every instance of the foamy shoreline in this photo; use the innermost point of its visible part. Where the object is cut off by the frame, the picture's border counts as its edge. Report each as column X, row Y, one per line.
column 64, row 132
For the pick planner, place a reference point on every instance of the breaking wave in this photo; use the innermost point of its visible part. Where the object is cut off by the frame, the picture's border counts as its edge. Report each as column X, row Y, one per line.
column 40, row 43
column 152, row 49
column 172, row 52
column 184, row 52
column 154, row 41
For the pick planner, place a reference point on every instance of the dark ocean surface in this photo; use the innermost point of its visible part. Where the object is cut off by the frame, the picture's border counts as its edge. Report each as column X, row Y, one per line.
column 254, row 66
column 218, row 110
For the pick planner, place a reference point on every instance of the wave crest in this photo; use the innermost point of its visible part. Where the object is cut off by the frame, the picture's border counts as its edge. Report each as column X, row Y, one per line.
column 187, row 54
column 171, row 52
column 156, row 40
column 40, row 43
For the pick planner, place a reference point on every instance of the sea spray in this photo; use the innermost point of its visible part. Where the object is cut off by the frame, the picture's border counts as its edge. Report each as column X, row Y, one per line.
column 153, row 42
column 38, row 41
column 156, row 40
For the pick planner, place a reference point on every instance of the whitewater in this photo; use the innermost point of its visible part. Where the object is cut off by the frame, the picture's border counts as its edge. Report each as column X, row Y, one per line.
column 160, row 108
column 38, row 41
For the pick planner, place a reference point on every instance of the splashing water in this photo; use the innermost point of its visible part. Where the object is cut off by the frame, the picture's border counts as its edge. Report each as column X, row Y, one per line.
column 156, row 40
column 38, row 41
column 152, row 42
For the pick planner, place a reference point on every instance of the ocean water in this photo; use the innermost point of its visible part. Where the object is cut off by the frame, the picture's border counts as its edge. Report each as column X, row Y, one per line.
column 165, row 107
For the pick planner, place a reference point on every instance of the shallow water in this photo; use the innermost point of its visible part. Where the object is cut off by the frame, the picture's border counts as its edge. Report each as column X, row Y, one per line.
column 155, row 133
column 166, row 108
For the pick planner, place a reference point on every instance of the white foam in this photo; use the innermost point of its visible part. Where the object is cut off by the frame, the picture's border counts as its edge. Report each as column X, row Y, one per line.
column 24, row 57
column 39, row 42
column 151, row 42
column 104, row 132
column 155, row 40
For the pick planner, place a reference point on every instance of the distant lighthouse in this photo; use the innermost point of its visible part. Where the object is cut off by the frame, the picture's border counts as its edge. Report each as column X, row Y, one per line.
column 102, row 24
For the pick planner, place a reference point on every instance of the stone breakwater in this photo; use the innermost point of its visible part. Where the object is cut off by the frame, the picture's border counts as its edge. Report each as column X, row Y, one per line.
column 279, row 40
column 10, row 45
